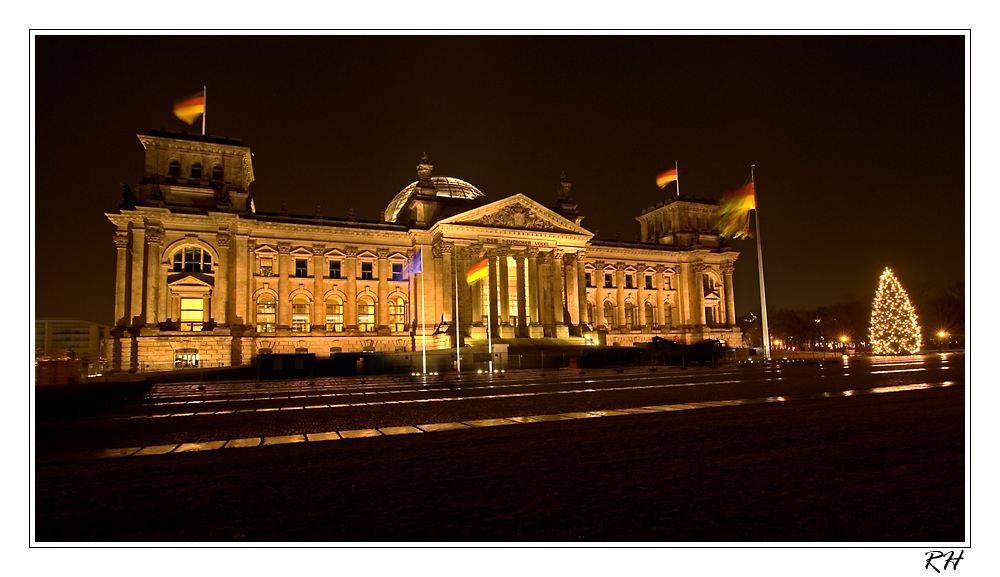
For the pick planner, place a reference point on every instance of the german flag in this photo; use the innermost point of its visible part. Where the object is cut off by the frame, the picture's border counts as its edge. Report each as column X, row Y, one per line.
column 190, row 108
column 665, row 178
column 477, row 271
column 734, row 212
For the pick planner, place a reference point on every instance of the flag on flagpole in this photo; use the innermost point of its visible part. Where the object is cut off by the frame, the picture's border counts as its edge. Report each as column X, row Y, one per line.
column 734, row 212
column 665, row 178
column 190, row 108
column 477, row 271
column 414, row 264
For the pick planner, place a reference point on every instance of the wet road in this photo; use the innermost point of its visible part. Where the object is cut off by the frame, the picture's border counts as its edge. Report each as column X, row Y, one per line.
column 836, row 452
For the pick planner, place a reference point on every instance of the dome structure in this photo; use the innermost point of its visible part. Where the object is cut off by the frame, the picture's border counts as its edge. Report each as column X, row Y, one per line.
column 444, row 186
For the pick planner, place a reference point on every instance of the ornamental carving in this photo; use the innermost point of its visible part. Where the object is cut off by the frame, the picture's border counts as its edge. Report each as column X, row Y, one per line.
column 351, row 251
column 223, row 239
column 620, row 266
column 448, row 246
column 284, row 247
column 728, row 269
column 516, row 216
column 251, row 244
column 382, row 252
column 318, row 249
column 121, row 240
column 532, row 251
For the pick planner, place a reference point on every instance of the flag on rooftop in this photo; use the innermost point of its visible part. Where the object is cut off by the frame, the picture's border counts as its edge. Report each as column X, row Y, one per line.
column 191, row 107
column 734, row 212
column 477, row 271
column 665, row 178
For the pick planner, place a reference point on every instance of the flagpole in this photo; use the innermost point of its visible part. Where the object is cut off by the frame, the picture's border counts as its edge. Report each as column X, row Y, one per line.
column 458, row 350
column 760, row 264
column 489, row 326
column 204, row 107
column 677, row 171
column 423, row 314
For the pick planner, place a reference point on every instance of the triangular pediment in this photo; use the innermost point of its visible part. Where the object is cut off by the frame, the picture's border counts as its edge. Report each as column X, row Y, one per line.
column 517, row 212
column 190, row 280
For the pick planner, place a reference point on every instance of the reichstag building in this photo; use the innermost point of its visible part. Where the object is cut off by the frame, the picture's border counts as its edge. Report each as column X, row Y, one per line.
column 205, row 280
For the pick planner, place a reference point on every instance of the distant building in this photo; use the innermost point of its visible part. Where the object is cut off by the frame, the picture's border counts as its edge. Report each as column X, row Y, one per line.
column 204, row 279
column 58, row 339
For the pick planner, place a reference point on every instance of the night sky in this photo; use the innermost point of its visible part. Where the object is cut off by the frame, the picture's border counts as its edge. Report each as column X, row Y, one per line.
column 858, row 141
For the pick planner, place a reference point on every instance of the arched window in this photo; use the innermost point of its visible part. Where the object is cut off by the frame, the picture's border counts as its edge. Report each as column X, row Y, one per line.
column 264, row 351
column 609, row 313
column 266, row 312
column 301, row 350
column 173, row 167
column 300, row 315
column 630, row 320
column 650, row 314
column 591, row 313
column 334, row 315
column 397, row 314
column 216, row 172
column 192, row 259
column 366, row 314
column 195, row 170
column 666, row 314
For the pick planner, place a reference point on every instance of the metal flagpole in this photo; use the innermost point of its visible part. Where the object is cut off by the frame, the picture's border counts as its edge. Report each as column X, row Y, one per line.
column 760, row 264
column 458, row 349
column 423, row 313
column 489, row 324
column 677, row 172
column 204, row 107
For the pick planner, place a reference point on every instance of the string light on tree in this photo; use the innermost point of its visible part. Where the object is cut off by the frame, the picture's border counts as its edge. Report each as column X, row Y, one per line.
column 894, row 329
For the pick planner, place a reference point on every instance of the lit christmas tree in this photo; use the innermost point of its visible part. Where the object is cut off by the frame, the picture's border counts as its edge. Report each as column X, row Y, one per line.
column 894, row 327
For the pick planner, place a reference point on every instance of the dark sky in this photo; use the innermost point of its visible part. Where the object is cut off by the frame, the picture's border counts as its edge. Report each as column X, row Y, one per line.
column 858, row 141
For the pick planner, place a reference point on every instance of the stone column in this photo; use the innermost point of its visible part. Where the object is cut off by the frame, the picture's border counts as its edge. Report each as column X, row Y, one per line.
column 503, row 283
column 545, row 291
column 437, row 293
column 351, row 306
column 522, row 312
column 245, row 304
column 600, row 321
column 220, row 293
column 318, row 321
column 476, row 290
column 684, row 295
column 727, row 271
column 163, row 303
column 658, row 281
column 138, row 262
column 284, row 270
column 121, row 279
column 154, row 242
column 535, row 298
column 641, row 298
column 491, row 254
column 239, row 312
column 620, row 282
column 572, row 290
column 558, row 304
column 383, row 289
column 699, row 293
column 448, row 295
column 581, row 286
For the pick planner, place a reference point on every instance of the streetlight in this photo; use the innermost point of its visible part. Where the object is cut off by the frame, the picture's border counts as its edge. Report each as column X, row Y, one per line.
column 941, row 335
column 843, row 344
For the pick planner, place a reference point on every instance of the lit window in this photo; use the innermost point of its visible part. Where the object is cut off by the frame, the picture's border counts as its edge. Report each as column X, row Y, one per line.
column 216, row 172
column 300, row 315
column 666, row 314
column 366, row 314
column 397, row 271
column 174, row 168
column 192, row 259
column 301, row 267
column 650, row 315
column 185, row 358
column 334, row 315
column 630, row 320
column 334, row 269
column 397, row 314
column 195, row 170
column 192, row 314
column 266, row 266
column 266, row 313
column 609, row 313
column 366, row 271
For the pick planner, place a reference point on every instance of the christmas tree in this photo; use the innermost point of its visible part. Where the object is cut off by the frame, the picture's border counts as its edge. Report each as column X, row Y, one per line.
column 894, row 329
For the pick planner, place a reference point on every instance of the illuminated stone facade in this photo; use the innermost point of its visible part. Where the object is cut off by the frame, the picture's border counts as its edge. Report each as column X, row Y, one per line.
column 204, row 279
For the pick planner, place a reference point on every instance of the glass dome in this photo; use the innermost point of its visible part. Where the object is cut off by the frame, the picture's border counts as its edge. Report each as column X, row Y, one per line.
column 443, row 186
